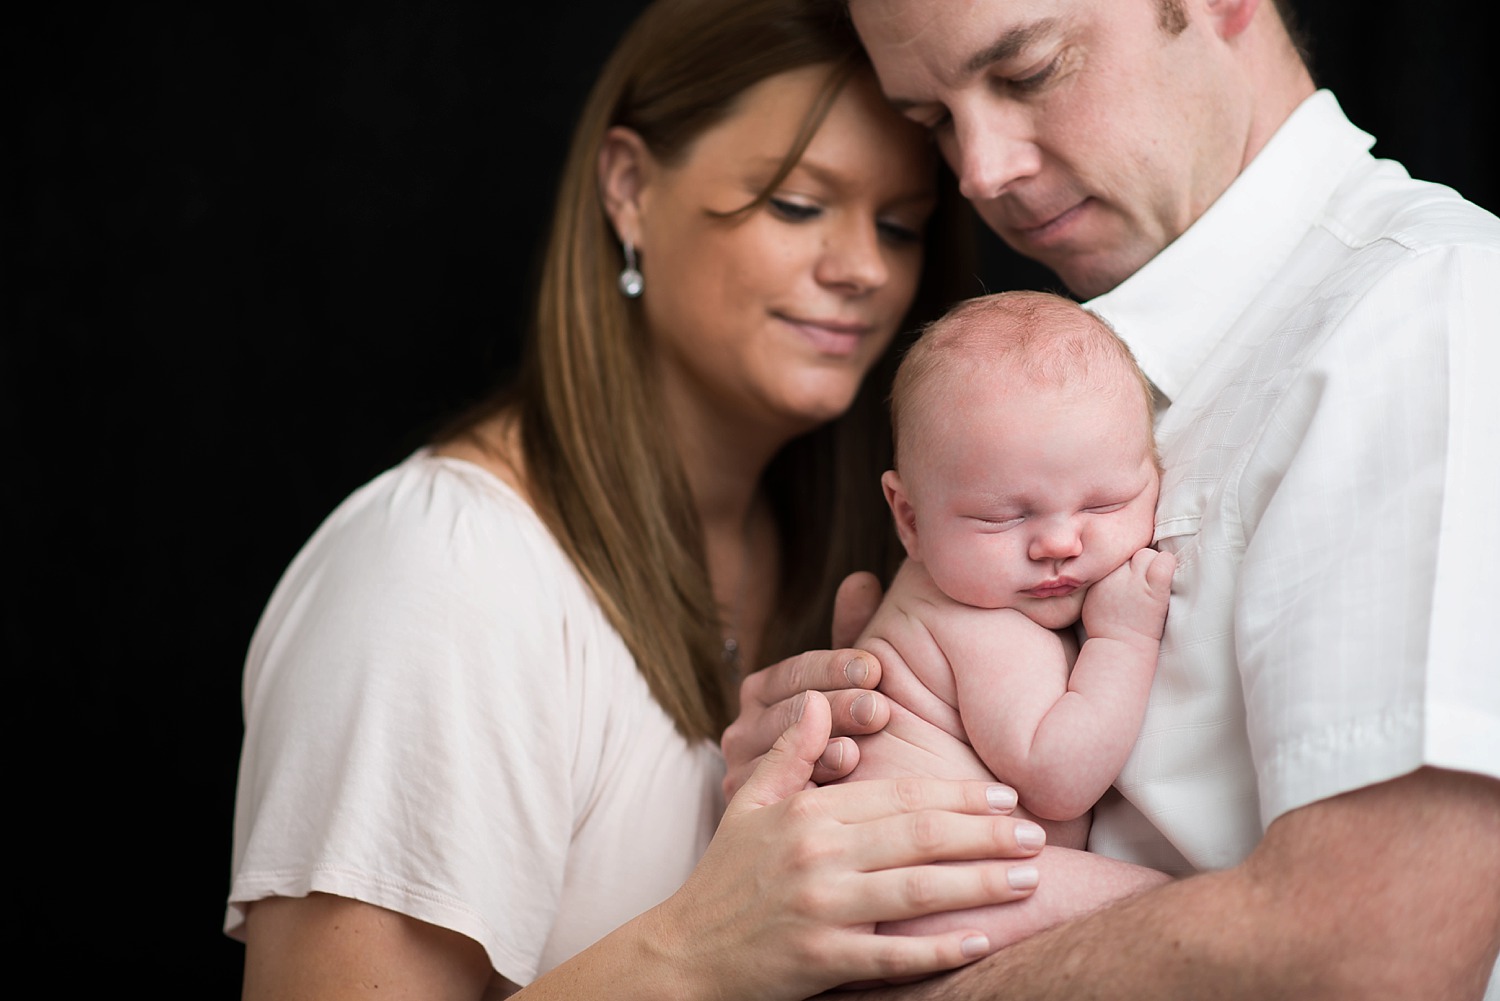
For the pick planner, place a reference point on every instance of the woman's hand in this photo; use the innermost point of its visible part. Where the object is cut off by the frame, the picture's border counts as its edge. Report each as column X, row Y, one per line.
column 785, row 901
column 769, row 697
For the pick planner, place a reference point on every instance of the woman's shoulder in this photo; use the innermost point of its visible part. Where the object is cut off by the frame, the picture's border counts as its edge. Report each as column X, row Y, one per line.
column 435, row 526
column 434, row 560
column 434, row 497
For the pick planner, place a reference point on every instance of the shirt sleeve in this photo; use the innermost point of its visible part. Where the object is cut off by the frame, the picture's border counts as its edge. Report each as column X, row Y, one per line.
column 405, row 742
column 1373, row 556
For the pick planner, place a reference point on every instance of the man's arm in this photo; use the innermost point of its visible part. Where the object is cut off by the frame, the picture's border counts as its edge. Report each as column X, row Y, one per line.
column 1384, row 892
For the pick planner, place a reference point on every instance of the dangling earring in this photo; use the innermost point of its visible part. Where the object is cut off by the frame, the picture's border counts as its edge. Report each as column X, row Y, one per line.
column 631, row 280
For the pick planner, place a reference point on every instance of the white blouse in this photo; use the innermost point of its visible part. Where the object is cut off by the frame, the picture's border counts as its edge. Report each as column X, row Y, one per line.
column 440, row 721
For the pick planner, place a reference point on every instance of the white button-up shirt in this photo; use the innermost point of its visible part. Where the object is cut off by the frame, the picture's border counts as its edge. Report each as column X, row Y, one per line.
column 1326, row 339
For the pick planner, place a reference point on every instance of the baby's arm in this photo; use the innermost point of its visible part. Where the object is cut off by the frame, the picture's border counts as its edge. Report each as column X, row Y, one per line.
column 1062, row 745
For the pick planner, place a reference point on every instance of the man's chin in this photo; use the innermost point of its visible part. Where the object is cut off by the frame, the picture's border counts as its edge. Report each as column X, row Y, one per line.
column 1084, row 276
column 1085, row 280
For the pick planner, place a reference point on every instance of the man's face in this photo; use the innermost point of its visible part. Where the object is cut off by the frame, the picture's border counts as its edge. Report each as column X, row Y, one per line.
column 1088, row 134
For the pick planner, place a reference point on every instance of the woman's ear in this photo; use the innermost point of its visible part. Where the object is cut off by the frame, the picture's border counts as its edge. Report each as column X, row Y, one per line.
column 625, row 165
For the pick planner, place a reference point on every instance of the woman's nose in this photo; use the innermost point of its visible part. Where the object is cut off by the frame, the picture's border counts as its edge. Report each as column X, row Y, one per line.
column 853, row 258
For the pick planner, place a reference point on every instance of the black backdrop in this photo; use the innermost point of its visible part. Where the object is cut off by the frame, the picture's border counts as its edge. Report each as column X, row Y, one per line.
column 261, row 256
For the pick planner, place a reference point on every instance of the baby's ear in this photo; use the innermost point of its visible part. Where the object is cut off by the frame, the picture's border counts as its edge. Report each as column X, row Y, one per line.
column 901, row 510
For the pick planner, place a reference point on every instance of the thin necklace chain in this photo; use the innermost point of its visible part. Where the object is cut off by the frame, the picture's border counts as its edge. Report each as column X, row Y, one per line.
column 731, row 651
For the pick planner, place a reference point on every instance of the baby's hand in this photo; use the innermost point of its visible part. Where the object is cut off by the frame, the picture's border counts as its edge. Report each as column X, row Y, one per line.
column 1131, row 603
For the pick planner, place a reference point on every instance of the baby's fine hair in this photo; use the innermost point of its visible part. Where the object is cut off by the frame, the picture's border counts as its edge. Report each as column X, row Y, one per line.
column 1039, row 336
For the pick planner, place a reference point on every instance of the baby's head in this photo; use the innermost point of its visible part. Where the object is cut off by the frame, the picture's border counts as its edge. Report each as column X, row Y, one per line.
column 1026, row 466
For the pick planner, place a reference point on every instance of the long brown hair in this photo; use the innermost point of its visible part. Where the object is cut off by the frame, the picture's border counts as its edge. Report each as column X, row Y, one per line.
column 601, row 470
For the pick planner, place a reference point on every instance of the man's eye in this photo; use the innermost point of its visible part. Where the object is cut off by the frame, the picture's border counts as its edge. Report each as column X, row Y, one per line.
column 1037, row 80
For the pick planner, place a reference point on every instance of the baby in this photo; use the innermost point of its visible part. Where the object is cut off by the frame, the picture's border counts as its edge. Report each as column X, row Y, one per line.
column 1024, row 492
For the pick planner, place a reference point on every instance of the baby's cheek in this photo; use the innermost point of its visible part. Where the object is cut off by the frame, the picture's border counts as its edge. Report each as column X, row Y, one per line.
column 975, row 582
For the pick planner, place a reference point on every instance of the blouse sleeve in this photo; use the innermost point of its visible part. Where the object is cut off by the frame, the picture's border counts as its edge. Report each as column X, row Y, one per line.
column 405, row 742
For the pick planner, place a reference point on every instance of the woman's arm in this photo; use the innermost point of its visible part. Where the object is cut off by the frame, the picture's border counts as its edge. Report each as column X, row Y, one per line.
column 783, row 904
column 327, row 947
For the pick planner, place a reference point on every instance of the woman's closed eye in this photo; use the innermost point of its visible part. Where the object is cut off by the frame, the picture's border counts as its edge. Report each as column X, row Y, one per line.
column 891, row 230
column 793, row 211
column 898, row 232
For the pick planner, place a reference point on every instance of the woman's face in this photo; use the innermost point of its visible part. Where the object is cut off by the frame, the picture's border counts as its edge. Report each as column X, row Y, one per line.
column 770, row 320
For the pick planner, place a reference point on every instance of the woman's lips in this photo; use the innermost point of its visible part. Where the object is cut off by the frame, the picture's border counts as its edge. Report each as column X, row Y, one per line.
column 839, row 338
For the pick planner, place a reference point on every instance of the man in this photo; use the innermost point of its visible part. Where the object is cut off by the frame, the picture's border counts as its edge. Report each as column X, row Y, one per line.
column 1321, row 753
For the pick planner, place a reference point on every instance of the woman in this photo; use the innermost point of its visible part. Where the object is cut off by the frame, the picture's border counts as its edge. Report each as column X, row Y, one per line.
column 482, row 706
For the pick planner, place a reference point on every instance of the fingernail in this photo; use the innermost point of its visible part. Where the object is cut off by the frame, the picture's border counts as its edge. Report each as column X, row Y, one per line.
column 798, row 704
column 1022, row 877
column 856, row 671
column 1029, row 835
column 863, row 709
column 1001, row 797
column 833, row 756
column 975, row 946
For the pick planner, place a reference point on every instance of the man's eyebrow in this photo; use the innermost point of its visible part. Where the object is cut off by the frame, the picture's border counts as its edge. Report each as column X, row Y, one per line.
column 1010, row 44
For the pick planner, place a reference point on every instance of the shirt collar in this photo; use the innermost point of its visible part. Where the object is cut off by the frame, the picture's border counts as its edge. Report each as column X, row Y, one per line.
column 1173, row 311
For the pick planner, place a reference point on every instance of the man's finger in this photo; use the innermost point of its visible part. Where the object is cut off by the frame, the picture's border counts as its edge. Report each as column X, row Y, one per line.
column 816, row 670
column 854, row 605
column 853, row 711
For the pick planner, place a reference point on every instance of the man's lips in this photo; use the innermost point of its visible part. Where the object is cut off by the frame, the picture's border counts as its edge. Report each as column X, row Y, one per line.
column 1040, row 229
column 1055, row 588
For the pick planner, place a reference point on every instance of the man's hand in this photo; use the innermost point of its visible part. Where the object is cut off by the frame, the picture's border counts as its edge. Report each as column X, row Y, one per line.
column 1383, row 892
column 770, row 698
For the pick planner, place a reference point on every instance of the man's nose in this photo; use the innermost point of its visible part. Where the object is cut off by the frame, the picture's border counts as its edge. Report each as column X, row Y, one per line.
column 991, row 153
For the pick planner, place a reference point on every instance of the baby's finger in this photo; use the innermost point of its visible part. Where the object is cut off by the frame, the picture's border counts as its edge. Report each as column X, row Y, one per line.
column 1159, row 573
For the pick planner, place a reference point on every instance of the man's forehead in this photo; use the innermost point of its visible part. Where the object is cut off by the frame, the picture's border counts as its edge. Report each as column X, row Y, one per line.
column 952, row 39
